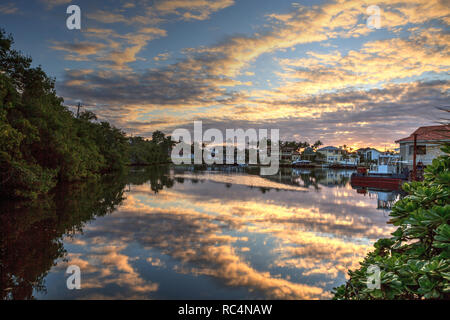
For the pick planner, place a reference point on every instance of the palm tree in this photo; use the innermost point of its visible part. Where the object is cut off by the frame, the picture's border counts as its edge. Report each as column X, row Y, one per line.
column 317, row 144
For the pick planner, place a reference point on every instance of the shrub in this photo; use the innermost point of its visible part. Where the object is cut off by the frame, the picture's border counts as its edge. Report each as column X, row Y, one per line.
column 415, row 262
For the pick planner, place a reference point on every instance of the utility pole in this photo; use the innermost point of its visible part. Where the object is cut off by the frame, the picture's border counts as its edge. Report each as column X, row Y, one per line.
column 414, row 177
column 78, row 109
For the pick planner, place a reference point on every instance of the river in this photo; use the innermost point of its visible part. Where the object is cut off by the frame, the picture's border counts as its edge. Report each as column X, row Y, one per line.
column 184, row 233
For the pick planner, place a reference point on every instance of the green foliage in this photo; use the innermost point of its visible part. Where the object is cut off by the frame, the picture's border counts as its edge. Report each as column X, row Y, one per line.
column 415, row 262
column 153, row 151
column 41, row 142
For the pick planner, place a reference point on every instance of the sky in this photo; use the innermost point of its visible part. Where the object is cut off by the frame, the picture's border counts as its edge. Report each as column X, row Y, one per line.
column 315, row 70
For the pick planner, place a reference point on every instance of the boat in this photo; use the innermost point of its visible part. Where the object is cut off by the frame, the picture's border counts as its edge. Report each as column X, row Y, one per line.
column 302, row 163
column 385, row 175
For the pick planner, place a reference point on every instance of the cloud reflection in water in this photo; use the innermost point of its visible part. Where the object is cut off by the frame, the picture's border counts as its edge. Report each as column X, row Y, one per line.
column 280, row 244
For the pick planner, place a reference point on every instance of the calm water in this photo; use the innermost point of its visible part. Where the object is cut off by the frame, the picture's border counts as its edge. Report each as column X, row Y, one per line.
column 179, row 233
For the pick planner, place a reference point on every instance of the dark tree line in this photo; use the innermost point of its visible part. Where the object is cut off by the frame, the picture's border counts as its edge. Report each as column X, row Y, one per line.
column 144, row 151
column 43, row 143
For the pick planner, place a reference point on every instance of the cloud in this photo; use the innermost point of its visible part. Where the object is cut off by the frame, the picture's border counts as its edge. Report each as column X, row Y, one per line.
column 162, row 56
column 54, row 3
column 367, row 86
column 153, row 31
column 105, row 265
column 108, row 17
column 121, row 54
column 195, row 242
column 158, row 11
column 356, row 113
column 191, row 10
column 210, row 234
column 115, row 50
column 119, row 57
column 376, row 63
column 8, row 8
column 79, row 49
column 350, row 116
column 303, row 25
column 129, row 5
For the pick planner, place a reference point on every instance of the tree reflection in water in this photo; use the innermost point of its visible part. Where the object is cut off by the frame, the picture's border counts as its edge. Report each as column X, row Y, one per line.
column 32, row 233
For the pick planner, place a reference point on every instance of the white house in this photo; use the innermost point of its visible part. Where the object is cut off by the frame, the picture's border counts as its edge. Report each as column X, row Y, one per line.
column 373, row 154
column 369, row 154
column 429, row 140
column 331, row 154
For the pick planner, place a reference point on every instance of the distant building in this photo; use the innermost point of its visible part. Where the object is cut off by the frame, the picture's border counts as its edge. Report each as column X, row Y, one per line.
column 331, row 154
column 296, row 156
column 286, row 154
column 369, row 154
column 350, row 159
column 429, row 140
column 309, row 154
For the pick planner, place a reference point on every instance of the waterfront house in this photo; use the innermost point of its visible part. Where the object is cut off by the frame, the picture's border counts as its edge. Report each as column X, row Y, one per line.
column 349, row 159
column 331, row 154
column 369, row 154
column 429, row 140
column 296, row 156
column 286, row 154
column 309, row 154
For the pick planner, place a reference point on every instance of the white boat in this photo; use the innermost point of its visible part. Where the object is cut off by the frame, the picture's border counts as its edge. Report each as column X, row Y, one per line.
column 385, row 175
column 301, row 162
column 387, row 165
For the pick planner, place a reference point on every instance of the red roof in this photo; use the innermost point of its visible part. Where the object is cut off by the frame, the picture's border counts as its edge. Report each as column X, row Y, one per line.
column 432, row 133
